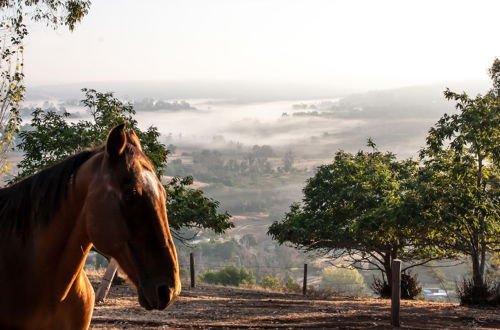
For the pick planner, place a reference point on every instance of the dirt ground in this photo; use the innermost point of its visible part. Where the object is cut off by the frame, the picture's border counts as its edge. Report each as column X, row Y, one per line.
column 213, row 307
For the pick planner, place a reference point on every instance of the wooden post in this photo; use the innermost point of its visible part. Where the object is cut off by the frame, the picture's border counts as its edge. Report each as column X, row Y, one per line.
column 107, row 279
column 396, row 293
column 304, row 284
column 191, row 268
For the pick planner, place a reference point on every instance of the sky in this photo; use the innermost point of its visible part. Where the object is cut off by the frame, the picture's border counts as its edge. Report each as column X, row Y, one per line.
column 363, row 44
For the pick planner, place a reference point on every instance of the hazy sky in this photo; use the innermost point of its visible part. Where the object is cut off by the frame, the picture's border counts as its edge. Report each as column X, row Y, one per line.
column 367, row 44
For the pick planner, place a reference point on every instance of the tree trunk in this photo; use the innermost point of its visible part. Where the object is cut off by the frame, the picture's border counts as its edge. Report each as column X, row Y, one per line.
column 387, row 267
column 481, row 263
column 477, row 277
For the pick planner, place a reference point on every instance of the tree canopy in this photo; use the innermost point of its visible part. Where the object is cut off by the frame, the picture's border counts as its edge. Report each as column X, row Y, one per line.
column 461, row 176
column 363, row 207
column 51, row 137
column 14, row 15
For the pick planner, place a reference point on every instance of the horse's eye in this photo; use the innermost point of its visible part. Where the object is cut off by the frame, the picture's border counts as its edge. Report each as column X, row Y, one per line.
column 130, row 195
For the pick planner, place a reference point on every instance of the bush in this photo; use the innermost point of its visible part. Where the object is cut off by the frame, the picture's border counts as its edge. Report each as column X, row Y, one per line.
column 410, row 288
column 381, row 288
column 292, row 285
column 343, row 280
column 229, row 275
column 486, row 295
column 270, row 282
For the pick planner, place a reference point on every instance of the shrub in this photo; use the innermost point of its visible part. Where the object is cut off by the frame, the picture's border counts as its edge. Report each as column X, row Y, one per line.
column 343, row 280
column 469, row 294
column 410, row 288
column 183, row 273
column 381, row 288
column 270, row 282
column 229, row 275
column 292, row 285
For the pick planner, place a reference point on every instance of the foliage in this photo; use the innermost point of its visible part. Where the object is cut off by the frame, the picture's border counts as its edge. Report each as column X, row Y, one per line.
column 211, row 166
column 228, row 275
column 219, row 251
column 248, row 240
column 410, row 288
column 381, row 288
column 51, row 137
column 288, row 160
column 471, row 293
column 149, row 104
column 364, row 207
column 189, row 207
column 460, row 186
column 270, row 282
column 292, row 285
column 14, row 14
column 343, row 280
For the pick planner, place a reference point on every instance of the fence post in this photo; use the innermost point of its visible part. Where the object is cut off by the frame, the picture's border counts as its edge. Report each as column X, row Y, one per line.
column 304, row 284
column 191, row 268
column 107, row 279
column 396, row 293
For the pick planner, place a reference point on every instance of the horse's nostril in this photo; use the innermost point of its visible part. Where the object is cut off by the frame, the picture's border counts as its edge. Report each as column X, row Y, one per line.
column 163, row 294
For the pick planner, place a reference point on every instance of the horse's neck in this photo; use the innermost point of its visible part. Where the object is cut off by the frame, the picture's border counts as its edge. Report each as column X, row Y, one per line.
column 62, row 247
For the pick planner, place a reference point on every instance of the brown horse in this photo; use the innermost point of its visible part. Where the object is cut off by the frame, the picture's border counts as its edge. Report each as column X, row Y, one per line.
column 107, row 197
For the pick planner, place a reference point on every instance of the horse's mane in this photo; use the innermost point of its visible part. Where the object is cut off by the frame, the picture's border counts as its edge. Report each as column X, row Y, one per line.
column 32, row 202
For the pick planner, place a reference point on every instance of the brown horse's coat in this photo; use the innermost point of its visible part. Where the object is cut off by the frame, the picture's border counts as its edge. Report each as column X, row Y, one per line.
column 47, row 228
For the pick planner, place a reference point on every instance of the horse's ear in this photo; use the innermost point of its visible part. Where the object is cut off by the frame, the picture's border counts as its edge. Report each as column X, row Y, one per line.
column 134, row 139
column 116, row 142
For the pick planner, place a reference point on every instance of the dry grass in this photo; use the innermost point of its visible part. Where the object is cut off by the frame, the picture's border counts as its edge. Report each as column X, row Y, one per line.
column 216, row 307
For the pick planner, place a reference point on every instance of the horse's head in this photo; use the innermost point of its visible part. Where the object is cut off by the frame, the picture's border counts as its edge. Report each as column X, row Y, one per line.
column 126, row 219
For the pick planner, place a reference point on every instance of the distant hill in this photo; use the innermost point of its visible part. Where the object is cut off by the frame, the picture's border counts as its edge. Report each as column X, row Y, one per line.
column 234, row 91
column 241, row 92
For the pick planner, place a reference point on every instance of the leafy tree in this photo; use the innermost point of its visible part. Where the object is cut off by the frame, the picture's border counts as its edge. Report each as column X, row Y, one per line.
column 292, row 285
column 52, row 137
column 362, row 207
column 264, row 151
column 249, row 240
column 270, row 282
column 14, row 14
column 410, row 288
column 219, row 251
column 288, row 160
column 460, row 178
column 344, row 280
column 228, row 275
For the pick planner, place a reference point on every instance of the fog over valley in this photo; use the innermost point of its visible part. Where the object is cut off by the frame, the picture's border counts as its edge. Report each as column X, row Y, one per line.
column 214, row 137
column 397, row 119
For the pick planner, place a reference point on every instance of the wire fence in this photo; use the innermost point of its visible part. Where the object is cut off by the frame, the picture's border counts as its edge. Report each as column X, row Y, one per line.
column 312, row 280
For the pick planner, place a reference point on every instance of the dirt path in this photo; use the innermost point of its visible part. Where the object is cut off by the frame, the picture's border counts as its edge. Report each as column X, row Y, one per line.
column 211, row 307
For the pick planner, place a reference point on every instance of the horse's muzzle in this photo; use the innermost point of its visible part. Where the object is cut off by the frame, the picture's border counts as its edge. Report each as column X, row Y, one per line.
column 157, row 294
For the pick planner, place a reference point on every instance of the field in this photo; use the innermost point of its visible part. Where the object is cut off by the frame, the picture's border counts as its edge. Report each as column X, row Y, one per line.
column 214, row 307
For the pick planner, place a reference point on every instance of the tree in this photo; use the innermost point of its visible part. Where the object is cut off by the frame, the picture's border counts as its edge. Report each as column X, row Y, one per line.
column 270, row 282
column 229, row 275
column 344, row 280
column 362, row 207
column 12, row 25
column 288, row 160
column 52, row 137
column 461, row 176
